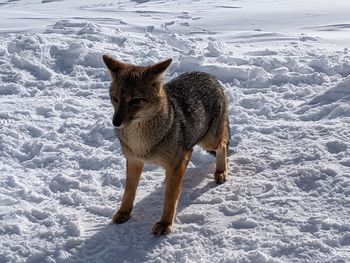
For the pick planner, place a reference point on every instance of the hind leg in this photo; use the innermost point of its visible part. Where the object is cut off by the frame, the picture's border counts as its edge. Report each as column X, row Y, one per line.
column 218, row 143
column 221, row 174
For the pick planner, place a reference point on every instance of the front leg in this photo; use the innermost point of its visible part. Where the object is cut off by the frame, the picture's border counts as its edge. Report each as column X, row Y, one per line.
column 133, row 172
column 173, row 182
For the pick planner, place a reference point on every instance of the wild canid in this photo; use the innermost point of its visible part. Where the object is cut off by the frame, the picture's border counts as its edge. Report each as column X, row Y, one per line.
column 161, row 123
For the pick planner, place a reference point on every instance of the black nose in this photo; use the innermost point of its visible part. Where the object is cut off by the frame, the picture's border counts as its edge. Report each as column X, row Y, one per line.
column 117, row 121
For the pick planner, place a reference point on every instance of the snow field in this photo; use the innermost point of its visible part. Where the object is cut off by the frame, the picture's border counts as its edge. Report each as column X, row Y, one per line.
column 62, row 172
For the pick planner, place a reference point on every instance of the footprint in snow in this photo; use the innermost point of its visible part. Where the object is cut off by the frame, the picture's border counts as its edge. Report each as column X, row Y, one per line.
column 192, row 218
column 336, row 147
column 244, row 223
column 259, row 189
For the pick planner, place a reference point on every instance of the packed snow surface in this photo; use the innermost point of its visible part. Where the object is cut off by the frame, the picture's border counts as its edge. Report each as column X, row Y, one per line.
column 285, row 68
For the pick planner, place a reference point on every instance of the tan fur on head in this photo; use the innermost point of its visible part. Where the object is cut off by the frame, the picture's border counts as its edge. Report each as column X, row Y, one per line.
column 135, row 83
column 150, row 72
column 113, row 65
column 158, row 69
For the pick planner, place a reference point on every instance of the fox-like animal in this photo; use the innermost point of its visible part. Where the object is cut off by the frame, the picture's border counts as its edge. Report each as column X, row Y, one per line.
column 161, row 123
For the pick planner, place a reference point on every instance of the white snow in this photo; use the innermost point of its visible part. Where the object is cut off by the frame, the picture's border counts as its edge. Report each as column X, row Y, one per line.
column 285, row 67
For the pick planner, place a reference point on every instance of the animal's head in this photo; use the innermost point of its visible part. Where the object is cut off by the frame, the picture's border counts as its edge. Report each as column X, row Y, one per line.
column 136, row 92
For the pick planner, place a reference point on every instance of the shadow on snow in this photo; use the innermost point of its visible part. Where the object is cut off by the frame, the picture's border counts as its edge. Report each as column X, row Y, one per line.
column 132, row 241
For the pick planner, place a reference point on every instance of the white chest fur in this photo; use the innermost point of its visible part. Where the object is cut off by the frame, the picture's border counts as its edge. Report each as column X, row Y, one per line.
column 137, row 141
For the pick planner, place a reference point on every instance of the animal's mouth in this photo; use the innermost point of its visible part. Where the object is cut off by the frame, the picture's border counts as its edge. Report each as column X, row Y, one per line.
column 124, row 124
column 120, row 123
column 121, row 126
column 133, row 120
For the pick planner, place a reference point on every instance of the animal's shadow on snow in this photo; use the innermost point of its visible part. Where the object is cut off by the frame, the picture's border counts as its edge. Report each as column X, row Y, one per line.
column 132, row 241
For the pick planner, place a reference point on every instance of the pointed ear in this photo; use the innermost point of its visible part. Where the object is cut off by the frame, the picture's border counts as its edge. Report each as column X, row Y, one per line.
column 112, row 64
column 156, row 70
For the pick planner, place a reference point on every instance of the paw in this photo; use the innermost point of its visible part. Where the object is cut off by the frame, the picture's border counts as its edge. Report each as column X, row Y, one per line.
column 121, row 217
column 220, row 177
column 161, row 228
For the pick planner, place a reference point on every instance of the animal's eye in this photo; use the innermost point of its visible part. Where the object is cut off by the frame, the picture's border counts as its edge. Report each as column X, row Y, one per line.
column 115, row 99
column 135, row 102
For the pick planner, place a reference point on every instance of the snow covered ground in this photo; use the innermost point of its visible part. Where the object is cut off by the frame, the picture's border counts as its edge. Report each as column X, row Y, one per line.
column 285, row 66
